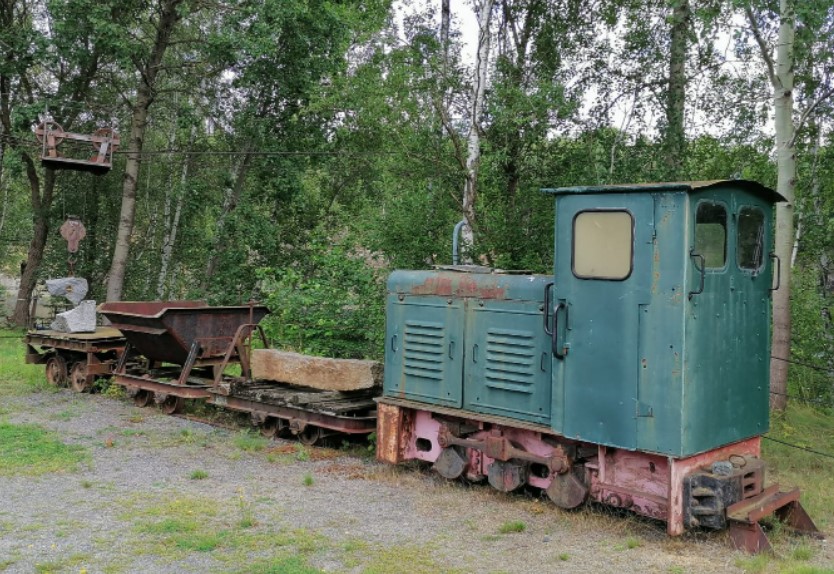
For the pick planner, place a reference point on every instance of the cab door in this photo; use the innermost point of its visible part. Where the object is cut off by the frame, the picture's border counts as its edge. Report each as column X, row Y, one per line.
column 603, row 267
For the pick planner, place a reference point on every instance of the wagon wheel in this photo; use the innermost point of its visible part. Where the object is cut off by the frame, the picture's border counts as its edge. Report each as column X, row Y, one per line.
column 310, row 435
column 143, row 398
column 47, row 127
column 269, row 428
column 172, row 405
column 79, row 380
column 56, row 371
column 107, row 133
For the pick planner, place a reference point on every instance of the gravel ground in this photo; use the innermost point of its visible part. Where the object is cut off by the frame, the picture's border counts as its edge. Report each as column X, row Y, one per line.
column 138, row 506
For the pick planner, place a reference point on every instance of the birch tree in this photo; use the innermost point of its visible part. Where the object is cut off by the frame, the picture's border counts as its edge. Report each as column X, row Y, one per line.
column 473, row 140
column 148, row 66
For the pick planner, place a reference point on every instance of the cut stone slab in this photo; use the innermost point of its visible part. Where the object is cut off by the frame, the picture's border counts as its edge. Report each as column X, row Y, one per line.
column 82, row 319
column 73, row 288
column 316, row 372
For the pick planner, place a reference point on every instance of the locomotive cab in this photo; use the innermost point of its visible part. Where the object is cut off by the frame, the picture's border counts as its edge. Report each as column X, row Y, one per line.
column 662, row 314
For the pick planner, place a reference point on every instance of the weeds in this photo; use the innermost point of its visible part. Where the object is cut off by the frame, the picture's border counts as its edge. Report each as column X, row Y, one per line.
column 199, row 475
column 512, row 526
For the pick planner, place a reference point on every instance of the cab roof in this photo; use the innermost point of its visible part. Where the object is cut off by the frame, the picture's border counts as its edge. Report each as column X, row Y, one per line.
column 753, row 187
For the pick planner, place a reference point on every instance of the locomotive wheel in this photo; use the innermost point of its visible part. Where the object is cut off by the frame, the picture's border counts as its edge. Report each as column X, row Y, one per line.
column 309, row 436
column 79, row 380
column 56, row 371
column 172, row 405
column 143, row 398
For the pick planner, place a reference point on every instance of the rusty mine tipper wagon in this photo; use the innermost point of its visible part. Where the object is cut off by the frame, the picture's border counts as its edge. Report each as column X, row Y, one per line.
column 637, row 375
column 186, row 346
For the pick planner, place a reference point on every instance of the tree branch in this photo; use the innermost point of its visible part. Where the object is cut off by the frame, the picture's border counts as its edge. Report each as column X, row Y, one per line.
column 763, row 47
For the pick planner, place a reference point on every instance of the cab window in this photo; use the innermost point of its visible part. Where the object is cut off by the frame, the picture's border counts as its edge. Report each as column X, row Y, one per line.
column 602, row 244
column 711, row 233
column 751, row 227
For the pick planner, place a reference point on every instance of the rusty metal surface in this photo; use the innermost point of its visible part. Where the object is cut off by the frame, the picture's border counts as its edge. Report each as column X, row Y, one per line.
column 166, row 331
column 390, row 433
column 749, row 537
column 744, row 516
column 76, row 149
column 298, row 416
column 162, row 387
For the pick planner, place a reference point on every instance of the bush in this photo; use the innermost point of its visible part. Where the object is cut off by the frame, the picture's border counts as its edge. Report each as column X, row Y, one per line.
column 331, row 304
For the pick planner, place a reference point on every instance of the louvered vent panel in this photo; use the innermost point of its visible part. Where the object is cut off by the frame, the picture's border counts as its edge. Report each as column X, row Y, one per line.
column 424, row 350
column 511, row 360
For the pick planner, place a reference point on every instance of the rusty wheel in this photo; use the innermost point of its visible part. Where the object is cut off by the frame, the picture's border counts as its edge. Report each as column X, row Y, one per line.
column 56, row 371
column 47, row 127
column 172, row 405
column 310, row 435
column 79, row 380
column 106, row 133
column 269, row 428
column 143, row 398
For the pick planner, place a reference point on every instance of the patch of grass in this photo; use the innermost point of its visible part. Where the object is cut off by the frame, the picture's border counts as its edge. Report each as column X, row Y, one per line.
column 86, row 484
column 32, row 450
column 802, row 552
column 811, row 428
column 564, row 556
column 302, row 453
column 754, row 564
column 512, row 526
column 4, row 564
column 248, row 441
column 247, row 515
column 70, row 561
column 398, row 559
column 69, row 413
column 18, row 378
column 199, row 475
column 806, row 569
column 629, row 543
column 281, row 565
column 308, row 479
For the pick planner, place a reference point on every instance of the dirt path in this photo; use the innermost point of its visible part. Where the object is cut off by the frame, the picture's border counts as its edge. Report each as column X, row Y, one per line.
column 162, row 494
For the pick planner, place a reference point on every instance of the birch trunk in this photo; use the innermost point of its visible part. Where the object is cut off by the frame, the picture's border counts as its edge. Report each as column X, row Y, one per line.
column 676, row 94
column 172, row 226
column 149, row 71
column 229, row 205
column 783, row 85
column 473, row 158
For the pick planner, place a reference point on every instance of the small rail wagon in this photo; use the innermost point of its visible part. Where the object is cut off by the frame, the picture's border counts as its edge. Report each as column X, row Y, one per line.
column 75, row 359
column 636, row 375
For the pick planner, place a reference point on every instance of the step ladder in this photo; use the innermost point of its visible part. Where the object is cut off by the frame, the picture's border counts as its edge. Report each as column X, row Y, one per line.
column 743, row 518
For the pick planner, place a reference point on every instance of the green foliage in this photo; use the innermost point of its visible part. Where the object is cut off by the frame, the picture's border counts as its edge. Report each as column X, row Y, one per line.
column 330, row 303
column 812, row 336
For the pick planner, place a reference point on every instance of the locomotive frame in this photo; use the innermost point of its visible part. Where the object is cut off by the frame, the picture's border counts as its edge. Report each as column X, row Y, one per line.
column 636, row 375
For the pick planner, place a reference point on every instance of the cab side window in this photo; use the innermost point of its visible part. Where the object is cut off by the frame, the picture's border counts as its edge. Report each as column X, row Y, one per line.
column 603, row 245
column 751, row 228
column 711, row 233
